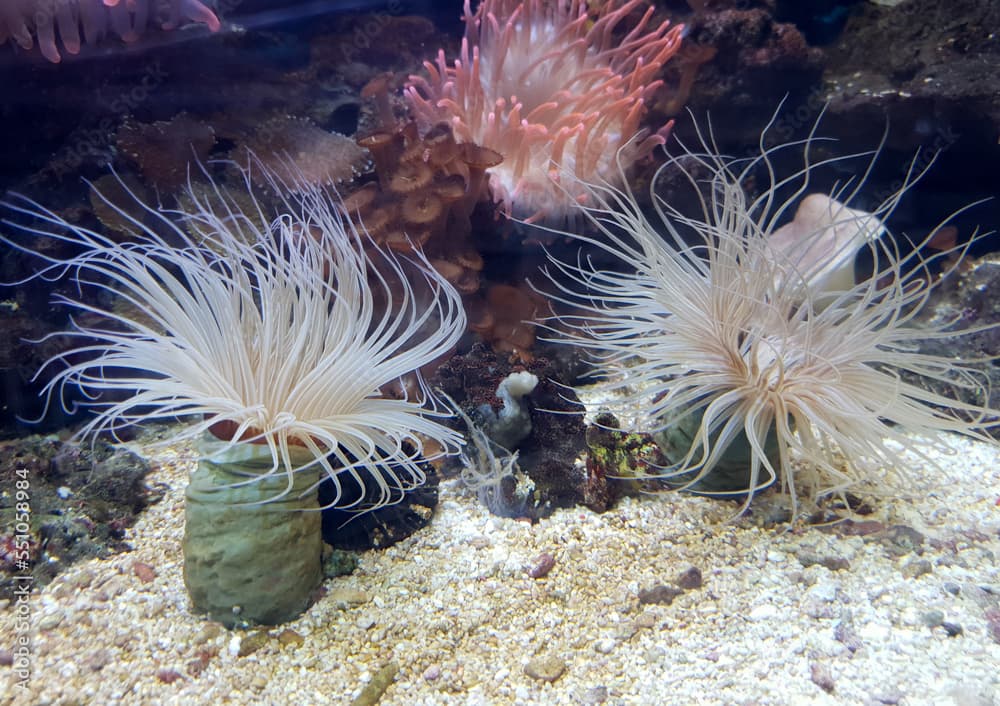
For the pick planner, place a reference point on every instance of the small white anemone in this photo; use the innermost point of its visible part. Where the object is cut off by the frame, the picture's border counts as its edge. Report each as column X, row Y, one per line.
column 282, row 334
column 491, row 470
column 750, row 330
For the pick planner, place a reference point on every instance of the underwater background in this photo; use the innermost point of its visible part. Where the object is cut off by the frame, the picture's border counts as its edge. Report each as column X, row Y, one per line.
column 582, row 588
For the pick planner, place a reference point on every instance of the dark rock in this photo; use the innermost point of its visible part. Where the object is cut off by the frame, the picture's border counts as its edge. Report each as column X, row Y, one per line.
column 252, row 642
column 900, row 540
column 168, row 676
column 22, row 354
column 758, row 60
column 968, row 297
column 546, row 669
column 928, row 71
column 845, row 633
column 833, row 563
column 659, row 594
column 932, row 618
column 82, row 499
column 351, row 527
column 821, row 676
column 924, row 69
column 926, row 50
column 690, row 578
column 542, row 566
column 993, row 624
column 548, row 453
column 917, row 568
column 952, row 629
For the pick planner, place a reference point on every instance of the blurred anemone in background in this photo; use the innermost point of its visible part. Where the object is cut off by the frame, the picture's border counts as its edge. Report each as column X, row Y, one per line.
column 556, row 89
column 59, row 26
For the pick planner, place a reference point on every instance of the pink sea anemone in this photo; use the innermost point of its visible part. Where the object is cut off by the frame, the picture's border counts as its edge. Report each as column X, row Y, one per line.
column 555, row 89
column 28, row 21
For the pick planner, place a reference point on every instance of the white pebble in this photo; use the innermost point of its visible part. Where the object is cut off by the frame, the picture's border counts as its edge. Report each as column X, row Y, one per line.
column 763, row 612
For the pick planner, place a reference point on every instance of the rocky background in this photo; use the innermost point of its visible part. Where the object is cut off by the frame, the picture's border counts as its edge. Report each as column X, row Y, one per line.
column 919, row 74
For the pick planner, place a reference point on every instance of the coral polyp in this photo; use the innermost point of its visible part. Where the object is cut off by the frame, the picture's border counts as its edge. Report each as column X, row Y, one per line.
column 556, row 89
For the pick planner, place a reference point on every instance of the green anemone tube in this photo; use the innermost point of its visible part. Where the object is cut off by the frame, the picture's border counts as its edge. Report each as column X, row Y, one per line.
column 730, row 474
column 250, row 558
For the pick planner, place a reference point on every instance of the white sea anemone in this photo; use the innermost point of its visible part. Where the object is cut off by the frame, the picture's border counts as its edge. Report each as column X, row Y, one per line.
column 282, row 335
column 747, row 338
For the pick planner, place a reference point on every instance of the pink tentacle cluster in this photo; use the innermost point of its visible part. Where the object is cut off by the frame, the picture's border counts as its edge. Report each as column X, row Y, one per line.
column 64, row 25
column 556, row 89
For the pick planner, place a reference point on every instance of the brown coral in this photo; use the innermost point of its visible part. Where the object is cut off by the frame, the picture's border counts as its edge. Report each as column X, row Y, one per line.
column 298, row 151
column 506, row 318
column 117, row 202
column 164, row 149
column 427, row 188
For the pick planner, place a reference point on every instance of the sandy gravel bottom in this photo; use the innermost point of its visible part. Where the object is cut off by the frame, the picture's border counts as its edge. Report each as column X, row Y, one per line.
column 908, row 615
